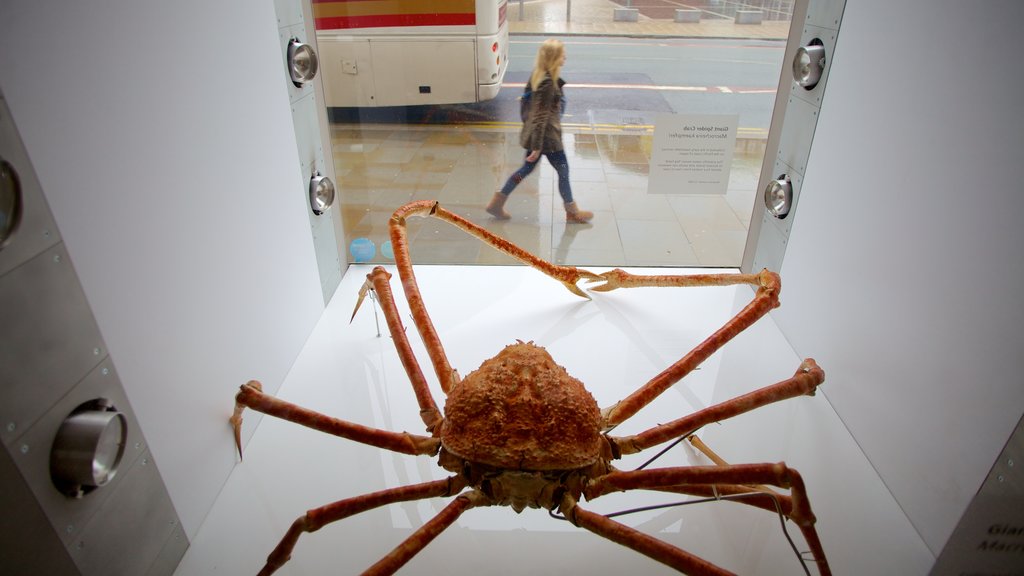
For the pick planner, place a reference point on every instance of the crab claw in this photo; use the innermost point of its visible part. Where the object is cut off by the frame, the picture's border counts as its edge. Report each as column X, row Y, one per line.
column 612, row 279
column 571, row 276
column 236, row 418
column 576, row 290
column 367, row 286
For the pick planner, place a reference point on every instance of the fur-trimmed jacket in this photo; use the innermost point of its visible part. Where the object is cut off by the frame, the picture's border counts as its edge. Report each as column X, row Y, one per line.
column 542, row 129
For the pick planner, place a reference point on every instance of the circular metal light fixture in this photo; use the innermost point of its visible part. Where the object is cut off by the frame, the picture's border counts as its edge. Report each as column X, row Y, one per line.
column 808, row 64
column 302, row 62
column 88, row 448
column 321, row 193
column 778, row 196
column 10, row 202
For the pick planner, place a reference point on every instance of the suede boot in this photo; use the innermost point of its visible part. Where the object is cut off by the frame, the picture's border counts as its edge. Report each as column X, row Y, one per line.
column 497, row 205
column 574, row 215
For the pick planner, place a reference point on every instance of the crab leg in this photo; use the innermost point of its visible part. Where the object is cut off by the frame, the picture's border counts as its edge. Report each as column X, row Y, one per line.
column 805, row 381
column 567, row 275
column 619, row 278
column 379, row 281
column 251, row 395
column 426, row 533
column 647, row 545
column 799, row 509
column 766, row 298
column 317, row 518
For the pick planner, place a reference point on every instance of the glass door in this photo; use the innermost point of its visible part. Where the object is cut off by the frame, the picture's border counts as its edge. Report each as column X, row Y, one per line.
column 666, row 122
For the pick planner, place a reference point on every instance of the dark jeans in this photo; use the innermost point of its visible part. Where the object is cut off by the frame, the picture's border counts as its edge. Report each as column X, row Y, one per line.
column 561, row 165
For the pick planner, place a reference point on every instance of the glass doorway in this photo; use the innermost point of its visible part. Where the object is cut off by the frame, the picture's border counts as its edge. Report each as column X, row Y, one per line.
column 636, row 71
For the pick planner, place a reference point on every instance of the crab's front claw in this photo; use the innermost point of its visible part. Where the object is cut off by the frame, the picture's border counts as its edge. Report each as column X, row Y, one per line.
column 570, row 276
column 576, row 290
column 236, row 418
column 612, row 279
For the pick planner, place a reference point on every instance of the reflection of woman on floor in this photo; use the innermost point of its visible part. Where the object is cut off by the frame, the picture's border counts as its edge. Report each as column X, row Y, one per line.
column 542, row 133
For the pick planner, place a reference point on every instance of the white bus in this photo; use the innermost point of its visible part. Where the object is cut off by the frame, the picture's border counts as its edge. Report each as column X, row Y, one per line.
column 409, row 52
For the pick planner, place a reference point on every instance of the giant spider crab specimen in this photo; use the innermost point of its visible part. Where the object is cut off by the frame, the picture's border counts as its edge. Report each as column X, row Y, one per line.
column 520, row 431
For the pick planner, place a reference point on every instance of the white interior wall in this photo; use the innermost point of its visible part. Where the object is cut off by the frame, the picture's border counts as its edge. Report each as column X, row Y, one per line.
column 163, row 139
column 903, row 271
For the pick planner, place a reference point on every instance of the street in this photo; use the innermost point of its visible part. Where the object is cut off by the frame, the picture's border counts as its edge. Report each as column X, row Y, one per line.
column 623, row 82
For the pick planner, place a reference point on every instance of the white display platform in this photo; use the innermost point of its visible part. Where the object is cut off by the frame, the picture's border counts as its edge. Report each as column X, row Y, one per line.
column 613, row 343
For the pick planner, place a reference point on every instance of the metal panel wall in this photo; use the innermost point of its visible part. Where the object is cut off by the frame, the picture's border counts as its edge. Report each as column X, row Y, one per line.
column 52, row 361
column 792, row 132
column 308, row 116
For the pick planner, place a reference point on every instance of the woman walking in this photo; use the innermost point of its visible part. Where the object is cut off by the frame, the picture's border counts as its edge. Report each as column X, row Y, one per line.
column 542, row 133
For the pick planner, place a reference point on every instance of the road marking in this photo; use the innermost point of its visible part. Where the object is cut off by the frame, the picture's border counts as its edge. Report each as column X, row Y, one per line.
column 776, row 45
column 641, row 87
column 602, row 128
column 644, row 58
column 657, row 88
column 772, row 63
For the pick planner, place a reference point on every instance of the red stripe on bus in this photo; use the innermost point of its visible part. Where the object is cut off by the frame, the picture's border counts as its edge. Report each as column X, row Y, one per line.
column 389, row 20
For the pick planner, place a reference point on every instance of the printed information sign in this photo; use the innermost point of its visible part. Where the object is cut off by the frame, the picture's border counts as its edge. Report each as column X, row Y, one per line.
column 692, row 153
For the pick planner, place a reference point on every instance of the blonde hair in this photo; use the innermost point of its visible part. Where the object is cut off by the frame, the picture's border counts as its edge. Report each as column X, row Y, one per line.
column 549, row 61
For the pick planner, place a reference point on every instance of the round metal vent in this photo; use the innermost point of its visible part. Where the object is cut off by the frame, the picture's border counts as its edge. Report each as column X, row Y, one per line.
column 88, row 448
column 10, row 202
column 809, row 64
column 321, row 193
column 778, row 196
column 302, row 62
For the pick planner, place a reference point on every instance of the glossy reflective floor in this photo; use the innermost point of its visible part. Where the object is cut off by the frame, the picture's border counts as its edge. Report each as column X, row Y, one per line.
column 379, row 168
column 614, row 343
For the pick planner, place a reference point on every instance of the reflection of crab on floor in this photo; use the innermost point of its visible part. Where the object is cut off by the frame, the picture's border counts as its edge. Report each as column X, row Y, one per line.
column 520, row 431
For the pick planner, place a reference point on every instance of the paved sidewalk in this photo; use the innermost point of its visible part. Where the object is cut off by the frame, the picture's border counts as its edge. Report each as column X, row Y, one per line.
column 596, row 17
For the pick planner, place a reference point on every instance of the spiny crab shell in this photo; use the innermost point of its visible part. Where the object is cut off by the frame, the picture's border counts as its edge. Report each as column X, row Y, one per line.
column 522, row 411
